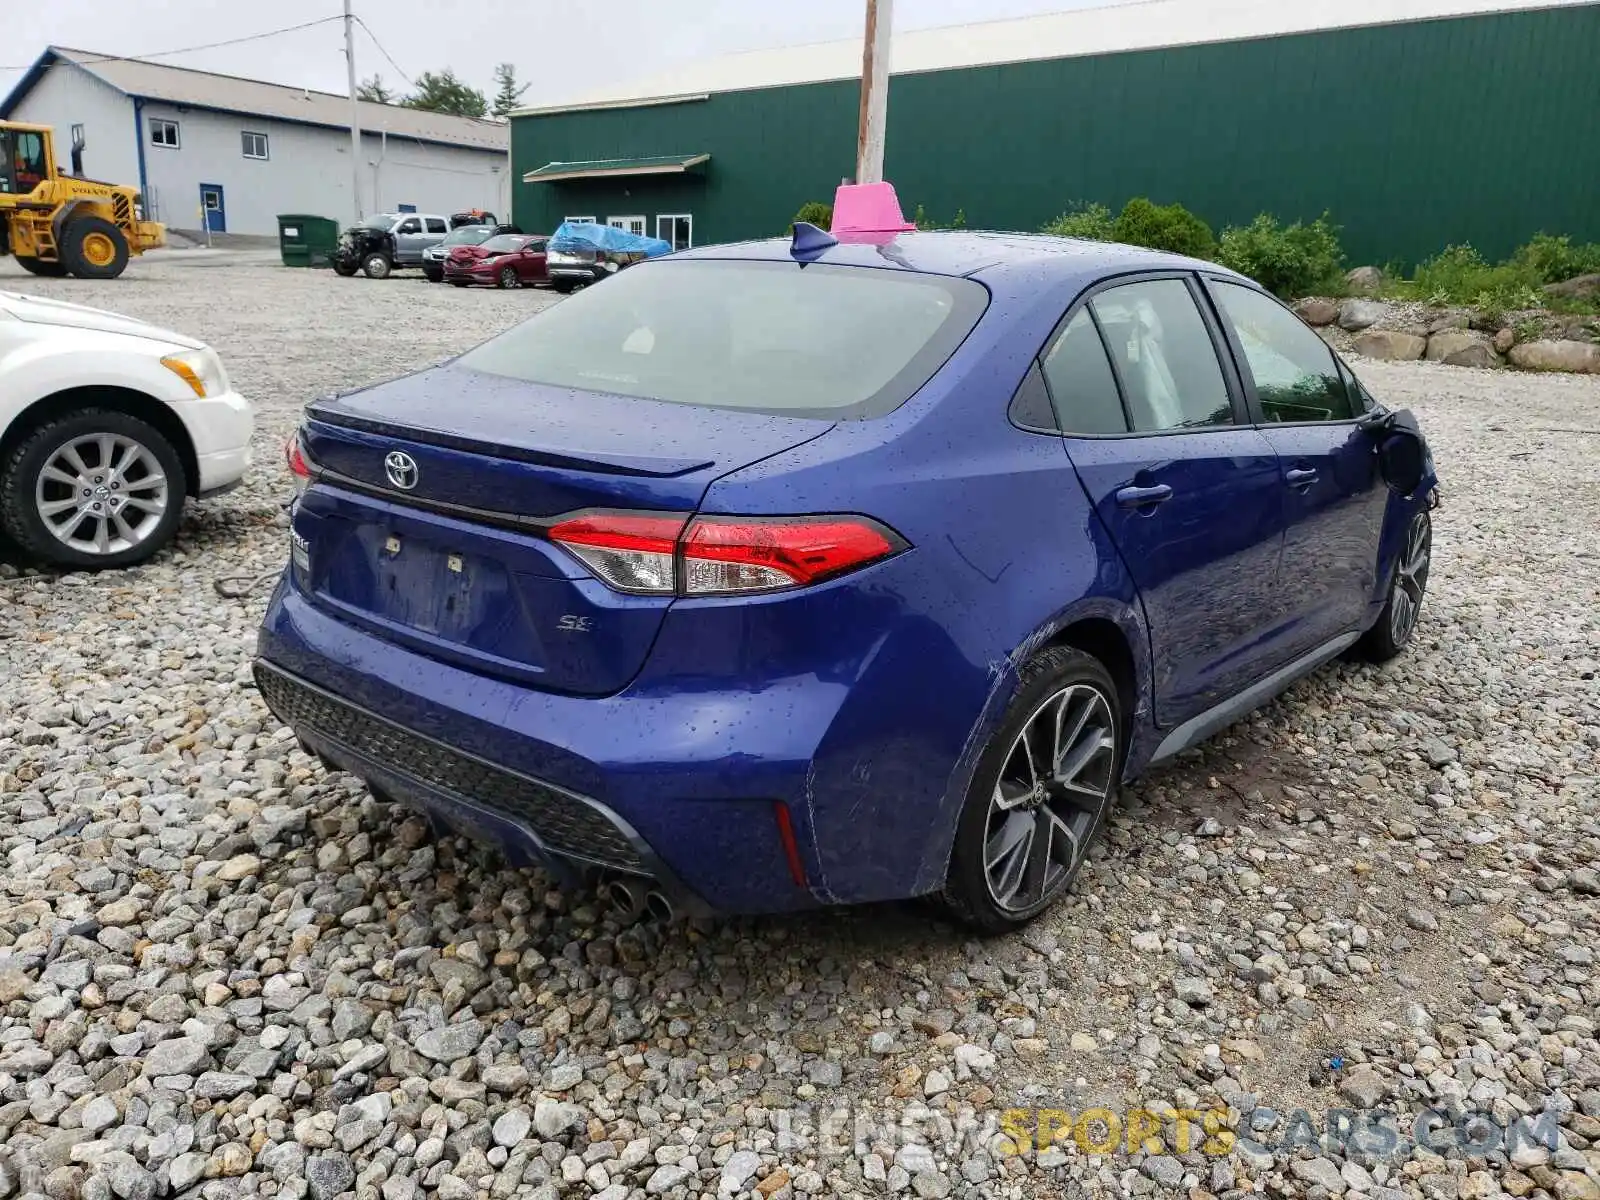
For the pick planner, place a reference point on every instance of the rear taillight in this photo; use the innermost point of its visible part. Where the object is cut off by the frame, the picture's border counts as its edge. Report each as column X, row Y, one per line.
column 299, row 465
column 660, row 554
column 632, row 552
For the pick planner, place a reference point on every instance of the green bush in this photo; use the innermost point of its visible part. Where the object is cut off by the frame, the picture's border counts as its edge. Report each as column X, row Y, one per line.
column 1092, row 222
column 1170, row 227
column 1554, row 259
column 1289, row 261
column 1459, row 275
column 816, row 213
column 922, row 220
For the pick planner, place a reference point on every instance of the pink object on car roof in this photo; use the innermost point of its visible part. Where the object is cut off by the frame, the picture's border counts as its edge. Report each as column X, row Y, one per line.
column 866, row 212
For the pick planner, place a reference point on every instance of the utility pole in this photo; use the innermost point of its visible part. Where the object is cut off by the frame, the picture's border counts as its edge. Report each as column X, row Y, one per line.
column 874, row 92
column 355, row 109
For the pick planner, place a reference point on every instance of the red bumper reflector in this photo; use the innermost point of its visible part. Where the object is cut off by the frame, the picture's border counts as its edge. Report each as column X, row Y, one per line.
column 791, row 848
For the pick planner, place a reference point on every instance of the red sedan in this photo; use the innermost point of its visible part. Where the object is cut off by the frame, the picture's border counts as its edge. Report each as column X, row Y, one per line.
column 506, row 260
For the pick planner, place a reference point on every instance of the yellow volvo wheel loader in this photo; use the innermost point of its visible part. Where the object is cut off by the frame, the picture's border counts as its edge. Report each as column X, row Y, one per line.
column 59, row 224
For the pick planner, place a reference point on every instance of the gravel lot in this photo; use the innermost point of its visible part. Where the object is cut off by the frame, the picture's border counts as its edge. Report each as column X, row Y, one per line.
column 226, row 972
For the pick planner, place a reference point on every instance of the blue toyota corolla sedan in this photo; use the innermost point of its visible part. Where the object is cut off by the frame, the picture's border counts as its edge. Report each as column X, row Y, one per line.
column 754, row 579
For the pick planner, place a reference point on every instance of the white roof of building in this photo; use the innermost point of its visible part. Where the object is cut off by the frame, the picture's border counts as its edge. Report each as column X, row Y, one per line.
column 1138, row 25
column 202, row 89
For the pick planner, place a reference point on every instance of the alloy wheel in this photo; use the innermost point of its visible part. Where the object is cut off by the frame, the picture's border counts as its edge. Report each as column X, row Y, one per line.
column 1411, row 579
column 101, row 493
column 1053, row 789
column 508, row 277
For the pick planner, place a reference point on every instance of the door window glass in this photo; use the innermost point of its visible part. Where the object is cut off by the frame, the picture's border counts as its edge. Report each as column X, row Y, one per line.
column 437, row 225
column 1164, row 356
column 410, row 225
column 1081, row 384
column 1295, row 374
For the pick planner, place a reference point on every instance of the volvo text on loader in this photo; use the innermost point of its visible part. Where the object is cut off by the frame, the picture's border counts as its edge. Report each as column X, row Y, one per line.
column 58, row 224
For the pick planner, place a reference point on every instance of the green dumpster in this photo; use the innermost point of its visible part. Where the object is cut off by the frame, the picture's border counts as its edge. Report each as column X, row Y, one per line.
column 307, row 241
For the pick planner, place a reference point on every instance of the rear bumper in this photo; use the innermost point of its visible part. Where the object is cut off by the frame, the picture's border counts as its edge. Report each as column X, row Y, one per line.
column 679, row 777
column 577, row 274
column 533, row 822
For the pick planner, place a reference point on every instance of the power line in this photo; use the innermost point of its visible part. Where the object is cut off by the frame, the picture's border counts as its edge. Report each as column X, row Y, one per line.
column 254, row 37
column 384, row 52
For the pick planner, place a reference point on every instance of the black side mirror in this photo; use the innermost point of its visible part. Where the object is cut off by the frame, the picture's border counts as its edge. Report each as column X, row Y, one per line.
column 1403, row 455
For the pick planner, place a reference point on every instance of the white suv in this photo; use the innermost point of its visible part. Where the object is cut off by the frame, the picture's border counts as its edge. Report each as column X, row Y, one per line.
column 106, row 424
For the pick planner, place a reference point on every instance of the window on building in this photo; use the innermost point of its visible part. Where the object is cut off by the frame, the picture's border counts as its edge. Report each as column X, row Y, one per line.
column 579, row 220
column 633, row 225
column 163, row 133
column 437, row 225
column 255, row 144
column 676, row 229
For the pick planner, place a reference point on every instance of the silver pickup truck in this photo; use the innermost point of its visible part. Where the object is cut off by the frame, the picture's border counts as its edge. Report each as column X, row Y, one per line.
column 385, row 241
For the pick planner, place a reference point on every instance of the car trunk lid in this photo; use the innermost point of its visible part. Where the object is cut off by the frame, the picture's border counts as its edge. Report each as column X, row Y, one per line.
column 434, row 538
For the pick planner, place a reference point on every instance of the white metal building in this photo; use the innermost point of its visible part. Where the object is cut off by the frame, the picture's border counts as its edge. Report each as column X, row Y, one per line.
column 244, row 151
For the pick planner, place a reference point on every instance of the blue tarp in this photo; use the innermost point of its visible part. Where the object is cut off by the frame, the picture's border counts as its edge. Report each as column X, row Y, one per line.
column 587, row 235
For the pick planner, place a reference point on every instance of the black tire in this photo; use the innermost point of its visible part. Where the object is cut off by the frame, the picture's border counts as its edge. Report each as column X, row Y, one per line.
column 1396, row 625
column 508, row 278
column 34, row 266
column 344, row 268
column 19, row 474
column 80, row 231
column 1058, row 673
column 377, row 266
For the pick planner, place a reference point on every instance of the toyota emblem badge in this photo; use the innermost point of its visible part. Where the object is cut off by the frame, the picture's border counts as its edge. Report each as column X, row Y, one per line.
column 401, row 469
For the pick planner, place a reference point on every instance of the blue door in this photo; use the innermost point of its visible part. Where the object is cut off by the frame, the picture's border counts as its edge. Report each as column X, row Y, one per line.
column 1190, row 494
column 211, row 203
column 1333, row 497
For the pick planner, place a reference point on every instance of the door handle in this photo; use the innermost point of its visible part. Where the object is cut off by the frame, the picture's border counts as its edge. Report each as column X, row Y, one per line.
column 1140, row 497
column 1301, row 477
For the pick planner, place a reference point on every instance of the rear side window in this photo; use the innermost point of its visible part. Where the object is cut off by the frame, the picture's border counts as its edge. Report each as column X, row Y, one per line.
column 826, row 341
column 1295, row 373
column 1082, row 386
column 437, row 225
column 1164, row 356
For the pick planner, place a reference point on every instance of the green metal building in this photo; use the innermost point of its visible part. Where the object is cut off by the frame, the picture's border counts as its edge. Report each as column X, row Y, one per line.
column 1415, row 123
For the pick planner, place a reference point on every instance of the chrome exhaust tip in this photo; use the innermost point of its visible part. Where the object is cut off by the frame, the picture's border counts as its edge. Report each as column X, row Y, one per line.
column 627, row 898
column 658, row 906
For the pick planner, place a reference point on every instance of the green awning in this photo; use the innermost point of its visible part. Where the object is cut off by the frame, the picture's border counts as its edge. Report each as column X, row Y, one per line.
column 616, row 168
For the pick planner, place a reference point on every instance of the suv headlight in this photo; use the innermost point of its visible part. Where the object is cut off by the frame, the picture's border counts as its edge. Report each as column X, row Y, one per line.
column 200, row 369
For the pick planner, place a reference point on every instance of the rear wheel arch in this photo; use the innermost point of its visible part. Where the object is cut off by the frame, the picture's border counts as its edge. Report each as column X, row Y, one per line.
column 129, row 401
column 1103, row 639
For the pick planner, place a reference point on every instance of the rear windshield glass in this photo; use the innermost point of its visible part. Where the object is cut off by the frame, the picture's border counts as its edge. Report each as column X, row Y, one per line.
column 828, row 342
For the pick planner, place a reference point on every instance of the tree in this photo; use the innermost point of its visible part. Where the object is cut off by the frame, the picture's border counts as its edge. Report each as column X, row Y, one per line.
column 509, row 95
column 441, row 91
column 375, row 90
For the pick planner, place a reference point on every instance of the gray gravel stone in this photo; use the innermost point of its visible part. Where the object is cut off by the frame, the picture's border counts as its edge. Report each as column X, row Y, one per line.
column 737, row 1171
column 552, row 1118
column 328, row 1175
column 451, row 1043
column 1318, row 1172
column 176, row 1056
column 512, row 1127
